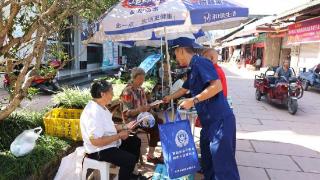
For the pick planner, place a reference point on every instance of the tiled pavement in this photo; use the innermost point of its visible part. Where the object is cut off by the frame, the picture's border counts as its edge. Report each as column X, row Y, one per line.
column 271, row 143
column 38, row 102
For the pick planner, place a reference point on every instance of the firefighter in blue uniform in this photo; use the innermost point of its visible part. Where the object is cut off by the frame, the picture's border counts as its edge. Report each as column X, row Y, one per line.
column 218, row 134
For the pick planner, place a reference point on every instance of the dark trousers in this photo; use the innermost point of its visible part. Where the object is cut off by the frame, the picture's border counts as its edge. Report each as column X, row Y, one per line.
column 126, row 156
column 218, row 151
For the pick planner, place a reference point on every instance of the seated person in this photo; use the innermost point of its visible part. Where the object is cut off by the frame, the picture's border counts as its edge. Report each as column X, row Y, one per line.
column 178, row 84
column 258, row 63
column 102, row 139
column 134, row 102
column 284, row 70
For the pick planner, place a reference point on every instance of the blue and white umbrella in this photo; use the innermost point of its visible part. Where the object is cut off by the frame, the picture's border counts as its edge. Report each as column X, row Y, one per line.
column 155, row 41
column 98, row 36
column 137, row 19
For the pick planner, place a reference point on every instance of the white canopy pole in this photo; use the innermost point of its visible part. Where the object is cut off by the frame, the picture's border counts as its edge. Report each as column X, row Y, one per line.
column 210, row 37
column 162, row 68
column 169, row 68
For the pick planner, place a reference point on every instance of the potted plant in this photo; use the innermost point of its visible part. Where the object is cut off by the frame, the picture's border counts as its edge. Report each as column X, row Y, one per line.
column 64, row 120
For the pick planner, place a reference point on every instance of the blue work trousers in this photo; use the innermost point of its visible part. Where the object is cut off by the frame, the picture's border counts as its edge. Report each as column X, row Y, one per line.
column 218, row 146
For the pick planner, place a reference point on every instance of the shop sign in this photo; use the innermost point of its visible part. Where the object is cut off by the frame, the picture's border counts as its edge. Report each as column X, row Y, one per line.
column 304, row 32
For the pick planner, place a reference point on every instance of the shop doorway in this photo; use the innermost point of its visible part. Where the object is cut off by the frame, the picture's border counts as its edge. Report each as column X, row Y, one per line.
column 285, row 54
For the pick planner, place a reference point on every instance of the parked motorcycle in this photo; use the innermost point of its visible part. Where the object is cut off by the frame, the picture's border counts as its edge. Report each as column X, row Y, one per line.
column 279, row 90
column 310, row 78
column 45, row 84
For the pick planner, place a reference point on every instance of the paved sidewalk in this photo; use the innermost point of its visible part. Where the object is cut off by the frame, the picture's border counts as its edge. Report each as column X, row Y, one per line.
column 37, row 103
column 271, row 143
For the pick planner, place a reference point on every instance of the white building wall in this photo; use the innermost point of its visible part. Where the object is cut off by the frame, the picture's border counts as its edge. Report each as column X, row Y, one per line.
column 79, row 49
column 309, row 55
column 294, row 63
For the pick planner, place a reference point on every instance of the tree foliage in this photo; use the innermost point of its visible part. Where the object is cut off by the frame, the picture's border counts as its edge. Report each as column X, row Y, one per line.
column 26, row 26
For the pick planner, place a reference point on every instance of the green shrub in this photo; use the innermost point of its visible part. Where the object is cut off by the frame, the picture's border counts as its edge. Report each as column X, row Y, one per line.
column 125, row 76
column 113, row 80
column 149, row 84
column 117, row 90
column 72, row 98
column 119, row 84
column 16, row 123
column 48, row 149
column 32, row 92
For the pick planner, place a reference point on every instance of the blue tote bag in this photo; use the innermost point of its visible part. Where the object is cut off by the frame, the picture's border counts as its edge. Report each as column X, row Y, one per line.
column 179, row 150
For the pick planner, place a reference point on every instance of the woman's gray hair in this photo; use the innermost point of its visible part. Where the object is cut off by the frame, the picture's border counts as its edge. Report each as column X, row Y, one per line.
column 137, row 72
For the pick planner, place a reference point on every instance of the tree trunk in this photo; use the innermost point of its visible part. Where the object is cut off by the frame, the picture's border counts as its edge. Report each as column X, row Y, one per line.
column 17, row 98
column 37, row 27
column 24, row 80
column 11, row 107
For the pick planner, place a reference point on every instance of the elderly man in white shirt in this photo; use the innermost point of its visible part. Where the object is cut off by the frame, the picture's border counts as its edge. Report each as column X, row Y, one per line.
column 102, row 139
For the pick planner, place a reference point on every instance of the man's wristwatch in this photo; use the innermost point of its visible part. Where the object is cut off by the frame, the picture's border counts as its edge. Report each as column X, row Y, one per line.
column 195, row 101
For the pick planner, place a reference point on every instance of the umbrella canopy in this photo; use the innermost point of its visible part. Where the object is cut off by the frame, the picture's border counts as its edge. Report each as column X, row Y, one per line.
column 137, row 19
column 155, row 41
column 127, row 44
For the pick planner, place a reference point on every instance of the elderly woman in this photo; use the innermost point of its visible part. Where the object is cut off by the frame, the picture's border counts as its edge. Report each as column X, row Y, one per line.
column 134, row 102
column 102, row 139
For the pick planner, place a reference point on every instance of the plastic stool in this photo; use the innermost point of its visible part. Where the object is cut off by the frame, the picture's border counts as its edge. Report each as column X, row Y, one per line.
column 102, row 166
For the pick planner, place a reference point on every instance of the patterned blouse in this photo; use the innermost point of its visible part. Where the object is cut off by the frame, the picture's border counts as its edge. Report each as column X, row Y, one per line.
column 132, row 98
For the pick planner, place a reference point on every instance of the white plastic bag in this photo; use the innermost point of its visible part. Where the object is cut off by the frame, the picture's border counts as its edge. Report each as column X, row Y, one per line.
column 25, row 142
column 71, row 165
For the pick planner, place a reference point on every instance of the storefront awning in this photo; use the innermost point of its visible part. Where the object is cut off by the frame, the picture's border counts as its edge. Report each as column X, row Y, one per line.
column 238, row 41
column 260, row 39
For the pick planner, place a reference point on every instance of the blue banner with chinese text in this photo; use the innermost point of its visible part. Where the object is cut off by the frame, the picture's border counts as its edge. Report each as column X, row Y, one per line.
column 149, row 62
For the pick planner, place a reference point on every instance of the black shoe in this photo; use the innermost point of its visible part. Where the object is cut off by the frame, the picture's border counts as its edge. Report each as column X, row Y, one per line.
column 155, row 160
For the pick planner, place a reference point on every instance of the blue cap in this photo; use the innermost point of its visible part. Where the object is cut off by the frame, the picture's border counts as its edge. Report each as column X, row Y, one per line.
column 185, row 42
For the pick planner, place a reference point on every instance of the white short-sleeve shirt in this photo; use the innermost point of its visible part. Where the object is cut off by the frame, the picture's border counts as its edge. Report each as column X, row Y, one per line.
column 95, row 122
column 177, row 85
